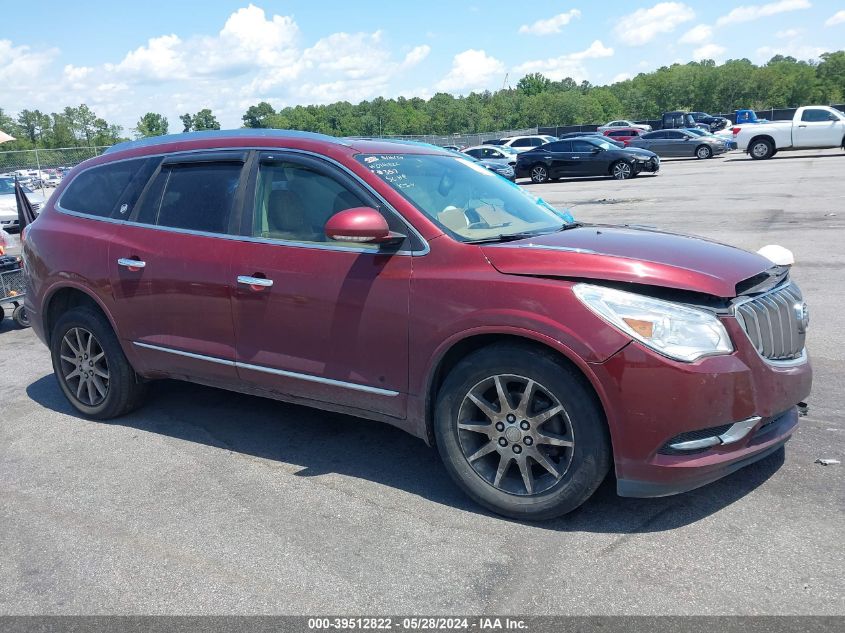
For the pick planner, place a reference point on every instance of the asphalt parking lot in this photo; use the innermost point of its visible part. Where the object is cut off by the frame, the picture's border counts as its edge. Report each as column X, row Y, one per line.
column 207, row 502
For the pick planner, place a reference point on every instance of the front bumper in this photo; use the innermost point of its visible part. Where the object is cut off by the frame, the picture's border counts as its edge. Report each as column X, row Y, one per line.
column 650, row 399
column 652, row 165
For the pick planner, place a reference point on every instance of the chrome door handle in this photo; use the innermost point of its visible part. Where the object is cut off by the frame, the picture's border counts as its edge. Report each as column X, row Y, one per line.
column 260, row 282
column 131, row 264
column 802, row 126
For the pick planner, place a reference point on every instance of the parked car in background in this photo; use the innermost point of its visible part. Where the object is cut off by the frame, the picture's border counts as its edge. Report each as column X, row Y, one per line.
column 679, row 121
column 9, row 206
column 493, row 141
column 585, row 156
column 523, row 143
column 502, row 154
column 401, row 283
column 623, row 134
column 747, row 116
column 679, row 143
column 727, row 140
column 613, row 141
column 812, row 127
column 715, row 123
column 504, row 169
column 452, row 148
column 623, row 123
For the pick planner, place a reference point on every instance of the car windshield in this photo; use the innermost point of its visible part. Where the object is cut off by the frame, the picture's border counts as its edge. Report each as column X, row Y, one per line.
column 466, row 200
column 7, row 186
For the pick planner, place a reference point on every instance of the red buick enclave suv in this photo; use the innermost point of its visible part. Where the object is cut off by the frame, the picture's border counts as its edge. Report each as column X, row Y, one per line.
column 402, row 283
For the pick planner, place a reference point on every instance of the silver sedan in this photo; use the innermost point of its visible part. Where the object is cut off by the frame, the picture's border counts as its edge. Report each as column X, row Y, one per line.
column 666, row 143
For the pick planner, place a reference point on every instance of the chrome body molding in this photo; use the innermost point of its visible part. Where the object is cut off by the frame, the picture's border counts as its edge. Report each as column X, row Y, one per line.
column 269, row 370
column 735, row 433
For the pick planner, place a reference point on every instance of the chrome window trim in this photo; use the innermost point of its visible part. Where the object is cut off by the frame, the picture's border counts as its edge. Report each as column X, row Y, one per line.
column 269, row 370
column 792, row 362
column 425, row 250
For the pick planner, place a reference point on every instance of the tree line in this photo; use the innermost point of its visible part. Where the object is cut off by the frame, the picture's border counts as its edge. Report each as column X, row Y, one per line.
column 535, row 101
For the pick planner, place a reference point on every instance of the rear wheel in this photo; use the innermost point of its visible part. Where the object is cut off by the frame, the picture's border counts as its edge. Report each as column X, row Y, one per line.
column 761, row 149
column 521, row 433
column 91, row 368
column 621, row 170
column 702, row 151
column 539, row 174
column 20, row 316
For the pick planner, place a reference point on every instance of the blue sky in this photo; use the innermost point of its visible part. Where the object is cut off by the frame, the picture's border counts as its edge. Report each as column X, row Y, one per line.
column 124, row 59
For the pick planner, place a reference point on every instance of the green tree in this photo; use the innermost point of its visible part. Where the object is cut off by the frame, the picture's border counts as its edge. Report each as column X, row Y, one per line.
column 204, row 120
column 187, row 122
column 151, row 124
column 258, row 115
column 533, row 84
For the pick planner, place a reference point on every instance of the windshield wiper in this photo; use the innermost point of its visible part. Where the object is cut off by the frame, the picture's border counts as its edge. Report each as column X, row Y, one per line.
column 507, row 237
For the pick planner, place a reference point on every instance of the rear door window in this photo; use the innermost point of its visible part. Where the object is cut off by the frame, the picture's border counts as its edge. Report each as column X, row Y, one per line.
column 192, row 196
column 522, row 142
column 108, row 190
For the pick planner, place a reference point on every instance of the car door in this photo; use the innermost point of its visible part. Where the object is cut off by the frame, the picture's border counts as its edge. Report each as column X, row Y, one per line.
column 315, row 319
column 818, row 128
column 676, row 144
column 170, row 267
column 650, row 141
column 558, row 156
column 587, row 161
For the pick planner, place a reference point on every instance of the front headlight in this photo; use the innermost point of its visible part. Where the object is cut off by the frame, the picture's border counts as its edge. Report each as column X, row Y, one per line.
column 671, row 329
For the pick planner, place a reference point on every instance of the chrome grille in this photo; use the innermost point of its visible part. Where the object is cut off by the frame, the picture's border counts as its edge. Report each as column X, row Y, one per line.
column 775, row 322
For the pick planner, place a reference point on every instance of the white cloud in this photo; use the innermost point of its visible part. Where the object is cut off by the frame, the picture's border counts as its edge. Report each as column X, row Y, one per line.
column 765, row 53
column 697, row 35
column 416, row 55
column 757, row 11
column 20, row 62
column 550, row 26
column 620, row 77
column 570, row 65
column 708, row 51
column 836, row 18
column 643, row 25
column 788, row 34
column 472, row 69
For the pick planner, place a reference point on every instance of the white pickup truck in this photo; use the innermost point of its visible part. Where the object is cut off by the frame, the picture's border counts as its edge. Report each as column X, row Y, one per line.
column 813, row 127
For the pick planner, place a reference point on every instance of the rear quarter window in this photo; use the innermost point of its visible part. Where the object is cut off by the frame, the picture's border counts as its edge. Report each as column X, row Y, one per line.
column 107, row 190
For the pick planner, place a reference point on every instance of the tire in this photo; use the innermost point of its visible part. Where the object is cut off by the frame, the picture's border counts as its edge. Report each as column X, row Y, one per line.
column 703, row 152
column 110, row 387
column 474, row 446
column 539, row 173
column 761, row 149
column 621, row 170
column 20, row 316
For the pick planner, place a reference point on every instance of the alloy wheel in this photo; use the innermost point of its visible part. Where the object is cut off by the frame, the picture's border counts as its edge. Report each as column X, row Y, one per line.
column 539, row 174
column 85, row 369
column 760, row 150
column 703, row 152
column 515, row 434
column 621, row 171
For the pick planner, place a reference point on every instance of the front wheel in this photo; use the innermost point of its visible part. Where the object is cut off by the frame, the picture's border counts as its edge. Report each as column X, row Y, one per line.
column 621, row 170
column 91, row 368
column 704, row 152
column 539, row 174
column 521, row 433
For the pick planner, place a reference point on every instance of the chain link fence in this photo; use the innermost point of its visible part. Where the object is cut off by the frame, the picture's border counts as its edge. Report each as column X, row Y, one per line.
column 464, row 140
column 42, row 169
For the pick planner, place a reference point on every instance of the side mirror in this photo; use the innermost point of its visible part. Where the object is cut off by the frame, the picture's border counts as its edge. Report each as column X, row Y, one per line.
column 361, row 224
column 596, row 150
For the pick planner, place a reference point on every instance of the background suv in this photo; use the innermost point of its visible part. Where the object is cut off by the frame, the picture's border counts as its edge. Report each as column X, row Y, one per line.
column 406, row 284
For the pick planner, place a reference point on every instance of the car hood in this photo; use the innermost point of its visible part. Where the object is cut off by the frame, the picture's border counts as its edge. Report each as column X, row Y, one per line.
column 640, row 152
column 629, row 254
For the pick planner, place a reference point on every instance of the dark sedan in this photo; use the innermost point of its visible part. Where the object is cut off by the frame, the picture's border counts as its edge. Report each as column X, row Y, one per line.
column 679, row 143
column 585, row 156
